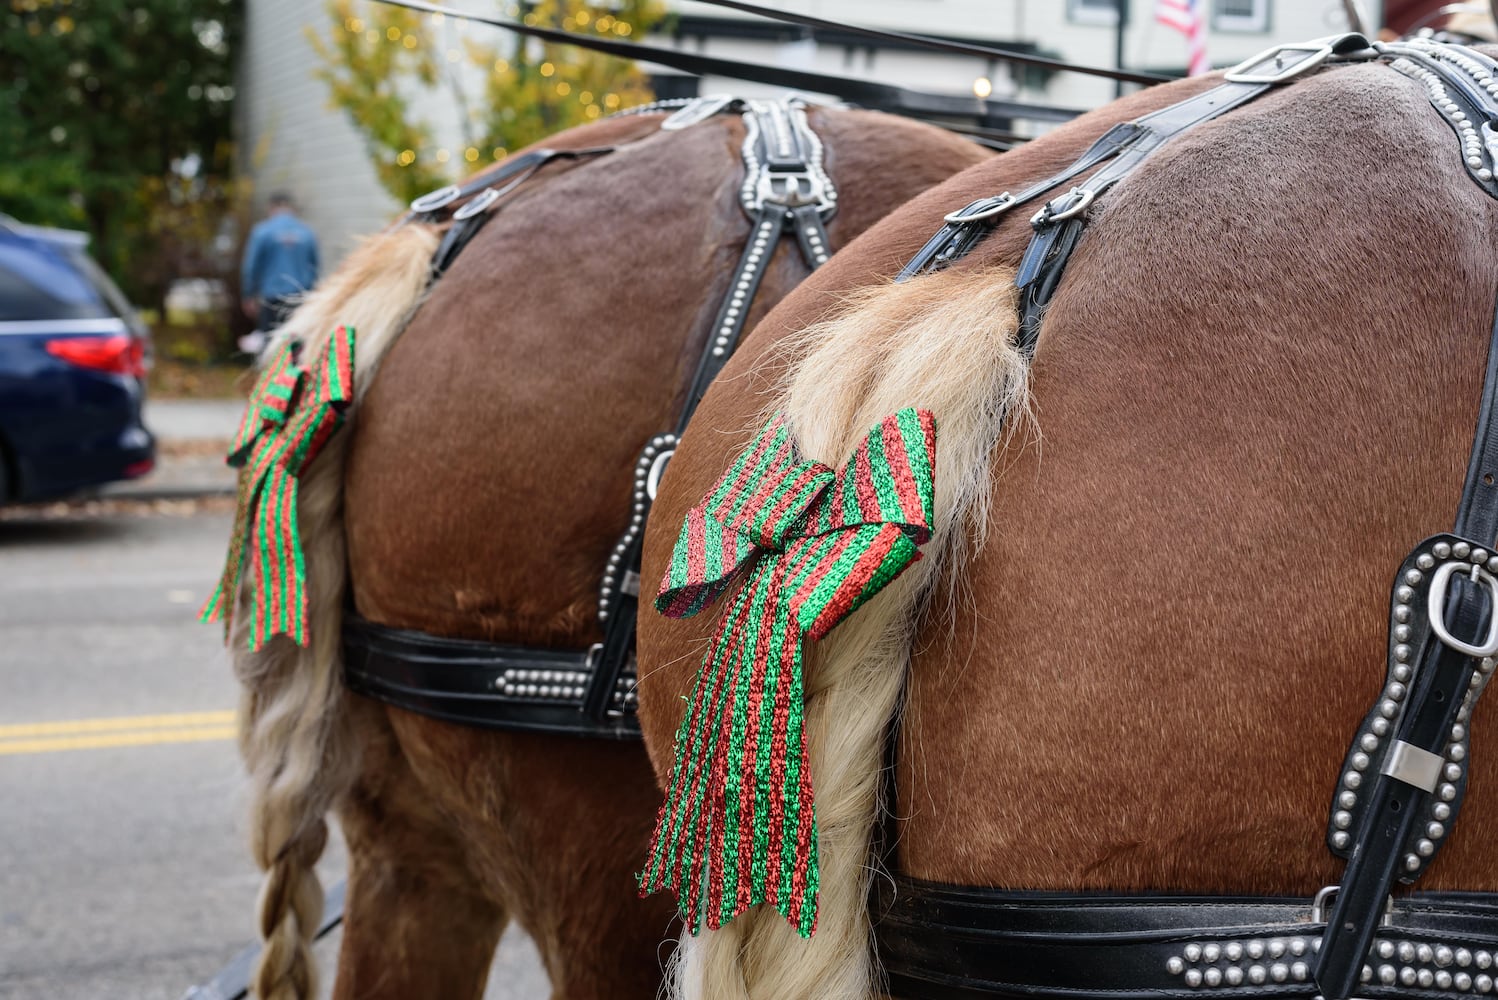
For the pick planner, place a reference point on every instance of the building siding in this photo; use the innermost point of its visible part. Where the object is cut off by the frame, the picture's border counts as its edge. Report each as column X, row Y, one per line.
column 290, row 140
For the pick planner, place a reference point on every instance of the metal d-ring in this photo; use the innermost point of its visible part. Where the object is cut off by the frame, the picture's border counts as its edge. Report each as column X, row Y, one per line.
column 440, row 198
column 1084, row 198
column 657, row 469
column 486, row 198
column 1436, row 603
column 1321, row 904
column 996, row 206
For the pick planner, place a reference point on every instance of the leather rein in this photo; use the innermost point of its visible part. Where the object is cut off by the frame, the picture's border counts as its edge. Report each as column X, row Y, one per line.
column 1404, row 777
column 786, row 192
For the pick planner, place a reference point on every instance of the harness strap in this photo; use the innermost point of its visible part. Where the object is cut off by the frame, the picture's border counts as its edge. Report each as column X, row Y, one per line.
column 1126, row 145
column 481, row 683
column 785, row 189
column 488, row 187
column 967, row 226
column 947, row 943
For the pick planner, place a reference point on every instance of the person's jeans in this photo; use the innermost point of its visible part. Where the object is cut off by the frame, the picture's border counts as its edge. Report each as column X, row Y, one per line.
column 273, row 312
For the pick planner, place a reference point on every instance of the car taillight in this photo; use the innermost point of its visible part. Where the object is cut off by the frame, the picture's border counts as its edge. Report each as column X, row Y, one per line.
column 117, row 354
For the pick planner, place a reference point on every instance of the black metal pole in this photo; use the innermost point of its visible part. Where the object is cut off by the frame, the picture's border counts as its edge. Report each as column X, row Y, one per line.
column 1118, row 43
column 1354, row 17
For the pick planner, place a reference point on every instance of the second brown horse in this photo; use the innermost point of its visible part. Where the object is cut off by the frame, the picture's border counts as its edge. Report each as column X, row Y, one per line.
column 488, row 475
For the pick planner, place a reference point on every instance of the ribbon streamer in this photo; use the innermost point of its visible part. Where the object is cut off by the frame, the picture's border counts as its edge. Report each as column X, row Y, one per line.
column 738, row 826
column 291, row 415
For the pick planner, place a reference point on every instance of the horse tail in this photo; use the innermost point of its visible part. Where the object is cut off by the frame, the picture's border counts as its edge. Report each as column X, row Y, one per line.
column 1478, row 24
column 293, row 735
column 945, row 343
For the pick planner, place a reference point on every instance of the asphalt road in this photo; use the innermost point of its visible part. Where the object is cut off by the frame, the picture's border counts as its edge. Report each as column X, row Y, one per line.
column 123, row 867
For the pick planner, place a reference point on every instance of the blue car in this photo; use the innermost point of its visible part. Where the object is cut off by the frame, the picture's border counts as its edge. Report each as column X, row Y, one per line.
column 72, row 367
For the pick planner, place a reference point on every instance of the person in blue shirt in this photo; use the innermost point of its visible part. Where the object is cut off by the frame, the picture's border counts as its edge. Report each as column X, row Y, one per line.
column 280, row 263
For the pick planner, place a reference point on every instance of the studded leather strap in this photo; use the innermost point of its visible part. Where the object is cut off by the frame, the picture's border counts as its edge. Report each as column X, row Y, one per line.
column 940, row 942
column 785, row 190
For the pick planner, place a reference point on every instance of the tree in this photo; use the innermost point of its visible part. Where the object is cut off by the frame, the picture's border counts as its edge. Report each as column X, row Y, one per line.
column 109, row 106
column 368, row 64
column 376, row 63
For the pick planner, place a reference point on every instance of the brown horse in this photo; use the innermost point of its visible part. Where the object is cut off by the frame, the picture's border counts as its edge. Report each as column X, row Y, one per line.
column 487, row 476
column 1158, row 603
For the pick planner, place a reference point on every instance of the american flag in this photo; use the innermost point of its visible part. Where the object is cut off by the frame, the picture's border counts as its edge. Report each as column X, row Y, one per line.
column 1186, row 17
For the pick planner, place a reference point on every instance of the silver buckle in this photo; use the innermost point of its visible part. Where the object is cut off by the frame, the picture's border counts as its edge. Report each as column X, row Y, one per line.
column 1319, row 906
column 1437, row 600
column 996, row 206
column 482, row 203
column 790, row 189
column 1083, row 197
column 594, row 652
column 700, row 109
column 440, row 198
column 1315, row 53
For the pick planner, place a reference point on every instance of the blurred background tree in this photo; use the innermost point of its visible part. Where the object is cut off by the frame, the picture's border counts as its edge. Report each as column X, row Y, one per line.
column 115, row 117
column 376, row 62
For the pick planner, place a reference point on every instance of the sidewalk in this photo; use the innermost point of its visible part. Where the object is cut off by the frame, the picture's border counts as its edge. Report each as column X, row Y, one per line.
column 192, row 436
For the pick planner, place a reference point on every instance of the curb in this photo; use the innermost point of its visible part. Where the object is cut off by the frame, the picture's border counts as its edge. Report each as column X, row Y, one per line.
column 148, row 491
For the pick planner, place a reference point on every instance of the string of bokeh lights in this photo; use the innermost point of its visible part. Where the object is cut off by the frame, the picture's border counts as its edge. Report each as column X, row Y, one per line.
column 594, row 106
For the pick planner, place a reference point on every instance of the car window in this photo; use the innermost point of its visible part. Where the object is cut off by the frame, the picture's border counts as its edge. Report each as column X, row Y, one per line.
column 39, row 285
column 107, row 289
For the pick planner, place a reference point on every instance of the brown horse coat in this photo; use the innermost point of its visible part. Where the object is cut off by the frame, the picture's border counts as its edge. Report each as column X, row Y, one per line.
column 1254, row 392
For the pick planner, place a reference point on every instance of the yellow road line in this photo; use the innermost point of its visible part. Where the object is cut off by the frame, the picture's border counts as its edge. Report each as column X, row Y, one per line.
column 99, row 741
column 117, row 724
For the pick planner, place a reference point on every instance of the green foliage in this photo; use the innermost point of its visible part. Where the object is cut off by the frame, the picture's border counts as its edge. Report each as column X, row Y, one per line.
column 376, row 60
column 529, row 97
column 366, row 62
column 107, row 104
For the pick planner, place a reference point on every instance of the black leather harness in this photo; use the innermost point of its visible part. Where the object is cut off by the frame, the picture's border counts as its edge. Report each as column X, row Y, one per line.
column 590, row 692
column 1403, row 779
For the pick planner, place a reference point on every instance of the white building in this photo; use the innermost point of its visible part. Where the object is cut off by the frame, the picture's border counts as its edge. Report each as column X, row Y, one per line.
column 294, row 142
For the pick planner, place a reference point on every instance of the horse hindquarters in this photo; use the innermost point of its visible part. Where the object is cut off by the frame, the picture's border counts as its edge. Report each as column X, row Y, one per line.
column 1170, row 616
column 1244, row 424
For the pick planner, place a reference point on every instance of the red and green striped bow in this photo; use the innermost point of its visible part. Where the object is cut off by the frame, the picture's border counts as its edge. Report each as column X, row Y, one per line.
column 292, row 413
column 738, row 825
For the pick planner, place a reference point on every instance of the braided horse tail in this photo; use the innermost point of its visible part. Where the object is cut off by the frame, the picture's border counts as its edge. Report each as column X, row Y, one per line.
column 292, row 734
column 944, row 343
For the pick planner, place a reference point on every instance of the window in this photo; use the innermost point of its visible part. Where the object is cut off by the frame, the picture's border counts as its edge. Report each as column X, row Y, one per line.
column 37, row 286
column 1250, row 16
column 1092, row 11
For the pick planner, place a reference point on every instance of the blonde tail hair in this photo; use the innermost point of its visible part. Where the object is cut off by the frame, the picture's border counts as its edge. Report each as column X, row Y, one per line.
column 292, row 735
column 945, row 343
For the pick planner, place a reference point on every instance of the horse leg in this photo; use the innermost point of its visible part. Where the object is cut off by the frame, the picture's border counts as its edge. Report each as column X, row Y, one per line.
column 585, row 837
column 417, row 922
column 555, row 827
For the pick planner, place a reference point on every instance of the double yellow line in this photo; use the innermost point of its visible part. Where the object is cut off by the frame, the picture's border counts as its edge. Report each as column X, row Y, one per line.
column 123, row 731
